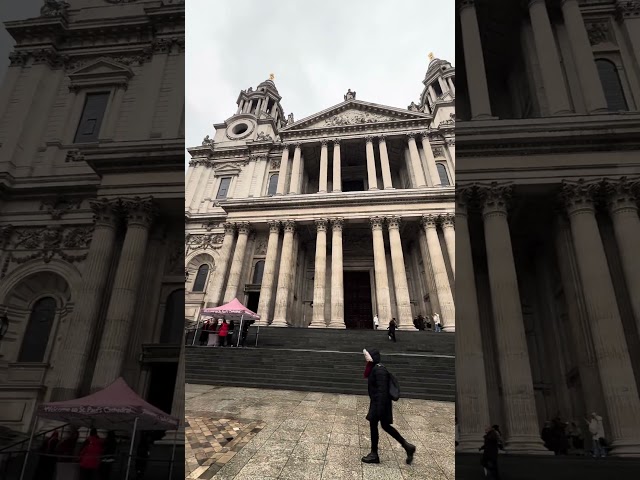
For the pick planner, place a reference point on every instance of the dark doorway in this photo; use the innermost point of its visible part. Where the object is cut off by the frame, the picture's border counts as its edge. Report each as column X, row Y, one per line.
column 353, row 186
column 162, row 385
column 358, row 313
column 253, row 299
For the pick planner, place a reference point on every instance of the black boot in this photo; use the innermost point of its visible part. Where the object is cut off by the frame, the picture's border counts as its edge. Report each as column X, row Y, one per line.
column 372, row 458
column 411, row 449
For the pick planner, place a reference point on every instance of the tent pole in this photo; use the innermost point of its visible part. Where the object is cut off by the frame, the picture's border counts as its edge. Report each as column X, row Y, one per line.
column 195, row 334
column 173, row 450
column 240, row 332
column 26, row 457
column 133, row 438
column 257, row 334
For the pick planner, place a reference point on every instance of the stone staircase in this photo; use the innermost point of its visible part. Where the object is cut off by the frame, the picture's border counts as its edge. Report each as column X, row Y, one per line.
column 328, row 361
column 535, row 467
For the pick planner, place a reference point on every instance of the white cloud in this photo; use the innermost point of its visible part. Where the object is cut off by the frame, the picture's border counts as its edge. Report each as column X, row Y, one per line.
column 317, row 50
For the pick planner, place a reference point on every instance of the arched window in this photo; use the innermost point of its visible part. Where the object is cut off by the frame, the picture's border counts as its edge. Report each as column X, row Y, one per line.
column 273, row 185
column 442, row 171
column 173, row 323
column 258, row 271
column 36, row 336
column 201, row 278
column 611, row 85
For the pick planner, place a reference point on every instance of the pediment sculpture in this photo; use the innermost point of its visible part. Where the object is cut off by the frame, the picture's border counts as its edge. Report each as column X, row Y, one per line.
column 349, row 95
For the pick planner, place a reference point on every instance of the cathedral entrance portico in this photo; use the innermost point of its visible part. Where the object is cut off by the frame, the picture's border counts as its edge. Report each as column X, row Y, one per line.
column 358, row 306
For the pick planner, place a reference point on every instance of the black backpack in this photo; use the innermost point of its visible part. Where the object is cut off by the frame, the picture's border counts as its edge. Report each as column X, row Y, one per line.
column 394, row 386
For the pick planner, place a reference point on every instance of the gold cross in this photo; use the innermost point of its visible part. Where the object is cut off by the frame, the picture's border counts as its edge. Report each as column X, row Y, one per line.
column 271, row 76
column 430, row 55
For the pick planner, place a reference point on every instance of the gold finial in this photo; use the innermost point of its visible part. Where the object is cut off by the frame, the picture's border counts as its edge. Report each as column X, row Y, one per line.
column 430, row 56
column 271, row 76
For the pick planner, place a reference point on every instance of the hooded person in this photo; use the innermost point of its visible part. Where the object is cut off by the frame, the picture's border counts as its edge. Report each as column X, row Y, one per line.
column 380, row 407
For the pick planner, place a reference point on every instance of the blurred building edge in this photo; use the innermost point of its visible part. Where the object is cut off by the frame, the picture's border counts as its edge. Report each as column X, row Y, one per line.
column 547, row 224
column 91, row 195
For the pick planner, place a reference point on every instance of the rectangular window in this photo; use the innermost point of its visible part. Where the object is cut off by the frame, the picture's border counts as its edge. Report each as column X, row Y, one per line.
column 92, row 114
column 223, row 190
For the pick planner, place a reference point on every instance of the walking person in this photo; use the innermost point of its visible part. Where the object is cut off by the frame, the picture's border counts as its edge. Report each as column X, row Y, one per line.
column 376, row 322
column 392, row 329
column 380, row 408
column 489, row 450
column 222, row 333
column 231, row 334
column 596, row 428
column 436, row 322
column 90, row 456
column 47, row 459
column 244, row 331
column 214, row 341
column 204, row 333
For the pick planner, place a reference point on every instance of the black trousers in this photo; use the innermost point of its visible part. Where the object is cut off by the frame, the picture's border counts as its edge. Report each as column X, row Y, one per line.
column 387, row 428
column 392, row 335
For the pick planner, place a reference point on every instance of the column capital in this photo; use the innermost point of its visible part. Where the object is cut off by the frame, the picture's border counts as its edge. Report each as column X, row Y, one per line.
column 337, row 224
column 424, row 135
column 321, row 224
column 495, row 198
column 627, row 9
column 105, row 211
column 296, row 145
column 376, row 223
column 286, row 145
column 529, row 3
column 229, row 228
column 621, row 194
column 447, row 220
column 462, row 4
column 393, row 222
column 324, row 142
column 336, row 141
column 466, row 197
column 369, row 138
column 244, row 228
column 289, row 226
column 382, row 138
column 578, row 196
column 274, row 226
column 139, row 211
column 411, row 135
column 429, row 221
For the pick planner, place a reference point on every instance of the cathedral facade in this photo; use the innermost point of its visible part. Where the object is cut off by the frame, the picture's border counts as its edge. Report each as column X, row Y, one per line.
column 326, row 221
column 547, row 219
column 91, row 192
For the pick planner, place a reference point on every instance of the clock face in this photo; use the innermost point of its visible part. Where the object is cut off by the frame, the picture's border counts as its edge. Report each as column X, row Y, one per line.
column 240, row 129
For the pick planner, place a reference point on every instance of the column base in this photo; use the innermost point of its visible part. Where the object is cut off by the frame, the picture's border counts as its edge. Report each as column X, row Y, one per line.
column 278, row 194
column 279, row 323
column 322, row 191
column 484, row 116
column 336, row 191
column 317, row 325
column 625, row 448
column 374, row 188
column 337, row 325
column 527, row 445
column 599, row 111
column 449, row 328
column 389, row 188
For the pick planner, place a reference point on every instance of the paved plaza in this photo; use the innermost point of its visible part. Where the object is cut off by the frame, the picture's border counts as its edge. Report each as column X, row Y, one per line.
column 249, row 434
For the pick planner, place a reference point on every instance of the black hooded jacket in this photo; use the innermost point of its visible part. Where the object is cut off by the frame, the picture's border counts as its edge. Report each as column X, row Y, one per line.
column 380, row 408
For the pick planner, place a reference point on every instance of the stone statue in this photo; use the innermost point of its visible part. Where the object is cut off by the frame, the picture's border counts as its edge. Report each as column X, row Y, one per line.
column 53, row 8
column 207, row 141
column 413, row 107
column 263, row 136
column 250, row 90
column 349, row 95
column 290, row 119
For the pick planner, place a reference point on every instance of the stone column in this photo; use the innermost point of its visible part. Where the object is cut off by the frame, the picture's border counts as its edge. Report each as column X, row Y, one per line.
column 403, row 302
column 320, row 275
column 623, row 199
column 380, row 265
column 474, row 62
column 337, row 287
column 219, row 275
column 519, row 406
column 431, row 160
column 586, row 69
column 471, row 385
column 75, row 350
column 324, row 165
column 337, row 170
column 416, row 164
column 384, row 163
column 372, row 175
column 443, row 289
column 548, row 59
column 119, row 318
column 268, row 276
column 628, row 16
column 282, row 173
column 296, row 168
column 284, row 276
column 614, row 364
column 235, row 272
column 452, row 87
column 447, row 222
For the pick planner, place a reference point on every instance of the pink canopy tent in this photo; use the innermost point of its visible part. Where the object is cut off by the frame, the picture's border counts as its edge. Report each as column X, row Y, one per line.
column 233, row 310
column 115, row 407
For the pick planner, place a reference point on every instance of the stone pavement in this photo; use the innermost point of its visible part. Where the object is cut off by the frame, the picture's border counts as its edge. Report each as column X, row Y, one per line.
column 250, row 434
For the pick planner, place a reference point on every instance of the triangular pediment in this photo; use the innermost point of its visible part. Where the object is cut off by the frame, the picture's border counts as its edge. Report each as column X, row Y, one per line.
column 102, row 71
column 355, row 112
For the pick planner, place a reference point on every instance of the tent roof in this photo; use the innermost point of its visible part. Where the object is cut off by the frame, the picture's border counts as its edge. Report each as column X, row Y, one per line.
column 233, row 310
column 114, row 407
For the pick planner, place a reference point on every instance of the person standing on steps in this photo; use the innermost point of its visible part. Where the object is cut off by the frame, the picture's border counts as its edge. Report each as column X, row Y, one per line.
column 376, row 322
column 224, row 330
column 392, row 329
column 380, row 408
column 436, row 322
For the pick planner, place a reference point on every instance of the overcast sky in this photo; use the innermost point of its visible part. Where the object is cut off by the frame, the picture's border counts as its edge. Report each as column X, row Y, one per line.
column 316, row 50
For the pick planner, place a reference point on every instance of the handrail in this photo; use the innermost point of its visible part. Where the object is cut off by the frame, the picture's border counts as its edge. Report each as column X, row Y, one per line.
column 35, row 436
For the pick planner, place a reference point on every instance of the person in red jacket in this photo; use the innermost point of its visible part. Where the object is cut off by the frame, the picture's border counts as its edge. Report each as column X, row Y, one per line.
column 224, row 329
column 90, row 456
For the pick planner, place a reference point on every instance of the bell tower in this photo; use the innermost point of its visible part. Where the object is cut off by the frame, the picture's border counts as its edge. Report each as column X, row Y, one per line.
column 262, row 103
column 439, row 91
